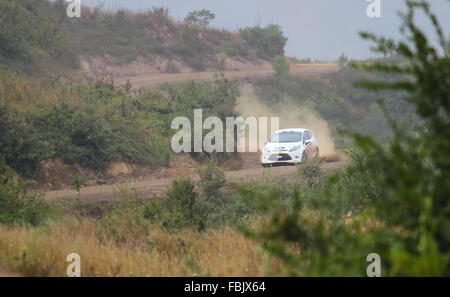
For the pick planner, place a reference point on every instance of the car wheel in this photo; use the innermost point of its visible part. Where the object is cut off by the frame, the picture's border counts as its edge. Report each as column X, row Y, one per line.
column 304, row 157
column 317, row 154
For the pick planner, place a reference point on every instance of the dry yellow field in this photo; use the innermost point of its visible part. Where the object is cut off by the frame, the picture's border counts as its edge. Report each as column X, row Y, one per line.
column 43, row 251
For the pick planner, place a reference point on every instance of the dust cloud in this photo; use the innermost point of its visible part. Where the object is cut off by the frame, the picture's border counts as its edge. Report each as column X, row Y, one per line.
column 291, row 116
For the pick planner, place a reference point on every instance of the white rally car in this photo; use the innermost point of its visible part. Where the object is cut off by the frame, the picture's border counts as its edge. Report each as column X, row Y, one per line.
column 290, row 146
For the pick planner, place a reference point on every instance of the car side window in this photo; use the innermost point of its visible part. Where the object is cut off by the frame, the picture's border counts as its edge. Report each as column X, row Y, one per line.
column 307, row 136
column 310, row 135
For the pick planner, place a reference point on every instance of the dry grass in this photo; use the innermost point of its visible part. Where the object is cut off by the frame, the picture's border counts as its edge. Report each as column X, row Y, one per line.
column 42, row 252
column 25, row 93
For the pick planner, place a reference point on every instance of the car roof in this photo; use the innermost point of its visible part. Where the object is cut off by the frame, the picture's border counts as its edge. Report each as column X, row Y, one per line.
column 292, row 130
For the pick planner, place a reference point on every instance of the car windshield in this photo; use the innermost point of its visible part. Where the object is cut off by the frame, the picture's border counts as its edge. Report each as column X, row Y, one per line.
column 288, row 136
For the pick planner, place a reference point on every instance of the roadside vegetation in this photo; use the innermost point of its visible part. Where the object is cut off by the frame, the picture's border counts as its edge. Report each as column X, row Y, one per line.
column 391, row 198
column 37, row 37
column 96, row 124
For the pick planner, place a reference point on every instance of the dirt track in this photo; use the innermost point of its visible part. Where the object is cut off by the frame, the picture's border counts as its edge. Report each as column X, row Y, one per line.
column 157, row 187
column 153, row 80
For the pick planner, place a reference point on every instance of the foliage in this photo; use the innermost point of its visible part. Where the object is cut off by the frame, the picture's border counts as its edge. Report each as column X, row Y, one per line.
column 202, row 209
column 98, row 123
column 38, row 38
column 268, row 42
column 281, row 66
column 200, row 17
column 181, row 198
column 311, row 172
column 32, row 37
column 395, row 194
column 215, row 99
column 212, row 179
column 17, row 206
column 222, row 59
column 19, row 144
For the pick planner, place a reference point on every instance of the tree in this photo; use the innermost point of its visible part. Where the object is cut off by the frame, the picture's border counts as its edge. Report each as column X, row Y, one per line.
column 269, row 42
column 385, row 46
column 281, row 66
column 200, row 17
column 343, row 60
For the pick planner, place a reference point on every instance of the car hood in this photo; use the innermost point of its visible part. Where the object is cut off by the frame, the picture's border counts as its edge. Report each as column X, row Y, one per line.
column 280, row 147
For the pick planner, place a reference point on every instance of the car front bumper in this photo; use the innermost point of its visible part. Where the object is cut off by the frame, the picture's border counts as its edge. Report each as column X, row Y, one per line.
column 281, row 158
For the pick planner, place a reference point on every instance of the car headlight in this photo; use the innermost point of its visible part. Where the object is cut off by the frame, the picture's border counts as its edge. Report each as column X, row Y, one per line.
column 266, row 150
column 295, row 148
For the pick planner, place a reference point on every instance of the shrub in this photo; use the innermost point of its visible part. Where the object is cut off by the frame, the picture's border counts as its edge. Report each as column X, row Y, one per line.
column 17, row 206
column 212, row 179
column 200, row 17
column 281, row 66
column 181, row 197
column 77, row 134
column 311, row 172
column 177, row 209
column 268, row 42
column 125, row 224
column 183, row 208
column 32, row 37
column 20, row 143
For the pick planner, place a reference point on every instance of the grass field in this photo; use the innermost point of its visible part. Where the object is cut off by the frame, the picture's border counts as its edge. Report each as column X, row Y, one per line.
column 143, row 252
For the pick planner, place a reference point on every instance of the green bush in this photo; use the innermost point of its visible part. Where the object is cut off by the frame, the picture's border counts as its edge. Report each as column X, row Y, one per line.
column 96, row 124
column 177, row 210
column 311, row 172
column 32, row 37
column 77, row 135
column 20, row 143
column 181, row 197
column 212, row 179
column 37, row 38
column 268, row 42
column 281, row 66
column 183, row 207
column 200, row 17
column 17, row 206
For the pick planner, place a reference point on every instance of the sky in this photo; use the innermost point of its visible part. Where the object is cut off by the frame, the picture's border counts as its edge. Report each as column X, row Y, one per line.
column 316, row 29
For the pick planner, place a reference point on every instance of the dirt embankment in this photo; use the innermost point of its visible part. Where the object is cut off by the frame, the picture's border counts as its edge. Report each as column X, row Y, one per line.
column 157, row 65
column 155, row 79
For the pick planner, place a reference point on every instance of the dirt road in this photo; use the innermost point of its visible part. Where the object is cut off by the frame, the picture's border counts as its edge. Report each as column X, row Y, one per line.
column 157, row 187
column 153, row 80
